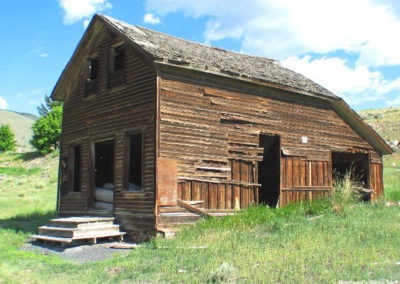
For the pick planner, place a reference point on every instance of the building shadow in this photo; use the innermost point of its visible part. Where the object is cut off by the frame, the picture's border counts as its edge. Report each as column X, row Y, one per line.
column 27, row 223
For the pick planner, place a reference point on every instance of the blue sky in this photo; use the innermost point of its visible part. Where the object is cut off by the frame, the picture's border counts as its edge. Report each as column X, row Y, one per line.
column 350, row 47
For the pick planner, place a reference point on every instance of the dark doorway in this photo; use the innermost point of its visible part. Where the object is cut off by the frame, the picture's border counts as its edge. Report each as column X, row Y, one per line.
column 269, row 170
column 357, row 164
column 104, row 163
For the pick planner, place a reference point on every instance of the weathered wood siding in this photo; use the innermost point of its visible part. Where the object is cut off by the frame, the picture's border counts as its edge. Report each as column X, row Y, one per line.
column 302, row 179
column 213, row 133
column 376, row 179
column 113, row 114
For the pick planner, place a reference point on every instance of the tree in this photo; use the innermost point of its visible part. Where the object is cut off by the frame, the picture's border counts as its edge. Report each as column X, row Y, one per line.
column 47, row 130
column 7, row 142
column 49, row 104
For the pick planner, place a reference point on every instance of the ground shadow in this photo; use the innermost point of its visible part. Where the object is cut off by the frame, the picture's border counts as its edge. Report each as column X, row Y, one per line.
column 29, row 156
column 27, row 223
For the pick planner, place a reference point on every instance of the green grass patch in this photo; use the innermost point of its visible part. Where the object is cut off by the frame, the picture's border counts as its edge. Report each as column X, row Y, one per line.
column 391, row 176
column 19, row 171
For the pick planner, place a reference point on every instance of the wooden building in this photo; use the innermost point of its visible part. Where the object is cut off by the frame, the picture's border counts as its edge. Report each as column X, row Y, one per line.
column 153, row 123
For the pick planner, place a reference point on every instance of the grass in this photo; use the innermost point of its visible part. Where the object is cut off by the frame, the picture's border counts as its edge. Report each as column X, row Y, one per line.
column 301, row 243
column 27, row 184
column 391, row 176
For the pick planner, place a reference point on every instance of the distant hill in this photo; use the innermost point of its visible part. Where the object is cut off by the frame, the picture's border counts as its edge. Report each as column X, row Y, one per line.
column 385, row 121
column 20, row 124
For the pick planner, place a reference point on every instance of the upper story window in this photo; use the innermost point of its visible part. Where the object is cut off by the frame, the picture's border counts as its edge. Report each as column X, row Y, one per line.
column 92, row 73
column 93, row 67
column 117, row 66
column 118, row 53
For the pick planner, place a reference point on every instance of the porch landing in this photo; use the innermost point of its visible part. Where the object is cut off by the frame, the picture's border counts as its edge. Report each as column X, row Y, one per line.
column 86, row 228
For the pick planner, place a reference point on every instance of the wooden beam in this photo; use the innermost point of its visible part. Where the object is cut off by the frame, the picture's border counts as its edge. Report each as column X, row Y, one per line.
column 193, row 209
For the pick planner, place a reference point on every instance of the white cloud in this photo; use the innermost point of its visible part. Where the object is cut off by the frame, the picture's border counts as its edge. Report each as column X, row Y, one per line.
column 3, row 103
column 334, row 74
column 356, row 84
column 86, row 23
column 149, row 18
column 283, row 28
column 41, row 52
column 77, row 10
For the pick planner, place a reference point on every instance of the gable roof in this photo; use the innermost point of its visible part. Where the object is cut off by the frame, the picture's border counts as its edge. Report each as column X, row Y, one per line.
column 168, row 50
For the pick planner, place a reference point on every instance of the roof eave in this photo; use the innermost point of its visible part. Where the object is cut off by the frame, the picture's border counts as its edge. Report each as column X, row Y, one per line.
column 362, row 128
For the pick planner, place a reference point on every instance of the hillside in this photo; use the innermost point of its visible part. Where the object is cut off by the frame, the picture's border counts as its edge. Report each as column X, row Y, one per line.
column 385, row 121
column 21, row 124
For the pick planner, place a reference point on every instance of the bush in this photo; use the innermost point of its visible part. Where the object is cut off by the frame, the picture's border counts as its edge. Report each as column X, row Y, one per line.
column 7, row 142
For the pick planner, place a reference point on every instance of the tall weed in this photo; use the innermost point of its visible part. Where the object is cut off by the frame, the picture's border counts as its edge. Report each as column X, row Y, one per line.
column 345, row 190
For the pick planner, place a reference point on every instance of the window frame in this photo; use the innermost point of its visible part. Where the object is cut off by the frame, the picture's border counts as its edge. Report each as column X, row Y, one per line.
column 75, row 185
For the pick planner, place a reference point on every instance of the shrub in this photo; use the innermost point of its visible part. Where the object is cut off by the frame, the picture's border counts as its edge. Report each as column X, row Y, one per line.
column 7, row 142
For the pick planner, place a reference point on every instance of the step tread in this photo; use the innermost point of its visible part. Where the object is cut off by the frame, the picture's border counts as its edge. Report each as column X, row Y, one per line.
column 51, row 238
column 79, row 229
column 85, row 219
column 82, row 237
column 99, row 235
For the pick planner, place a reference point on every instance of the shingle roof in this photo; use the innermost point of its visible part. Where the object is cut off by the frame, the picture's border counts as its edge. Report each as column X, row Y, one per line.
column 166, row 49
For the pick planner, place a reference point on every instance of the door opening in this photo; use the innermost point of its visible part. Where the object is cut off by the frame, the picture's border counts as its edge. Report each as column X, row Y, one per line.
column 269, row 170
column 357, row 164
column 104, row 175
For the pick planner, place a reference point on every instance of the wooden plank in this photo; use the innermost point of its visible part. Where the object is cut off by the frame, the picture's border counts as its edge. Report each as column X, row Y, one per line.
column 314, row 173
column 303, row 172
column 296, row 172
column 204, row 186
column 193, row 209
column 196, row 192
column 320, row 167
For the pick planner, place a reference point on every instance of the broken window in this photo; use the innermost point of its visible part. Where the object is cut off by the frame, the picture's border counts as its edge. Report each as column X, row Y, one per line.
column 91, row 76
column 119, row 57
column 134, row 171
column 117, row 66
column 93, row 65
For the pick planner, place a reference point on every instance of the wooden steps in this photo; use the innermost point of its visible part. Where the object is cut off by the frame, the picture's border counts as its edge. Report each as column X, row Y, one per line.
column 67, row 230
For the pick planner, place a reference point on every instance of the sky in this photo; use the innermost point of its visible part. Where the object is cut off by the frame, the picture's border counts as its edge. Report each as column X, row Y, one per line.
column 351, row 47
